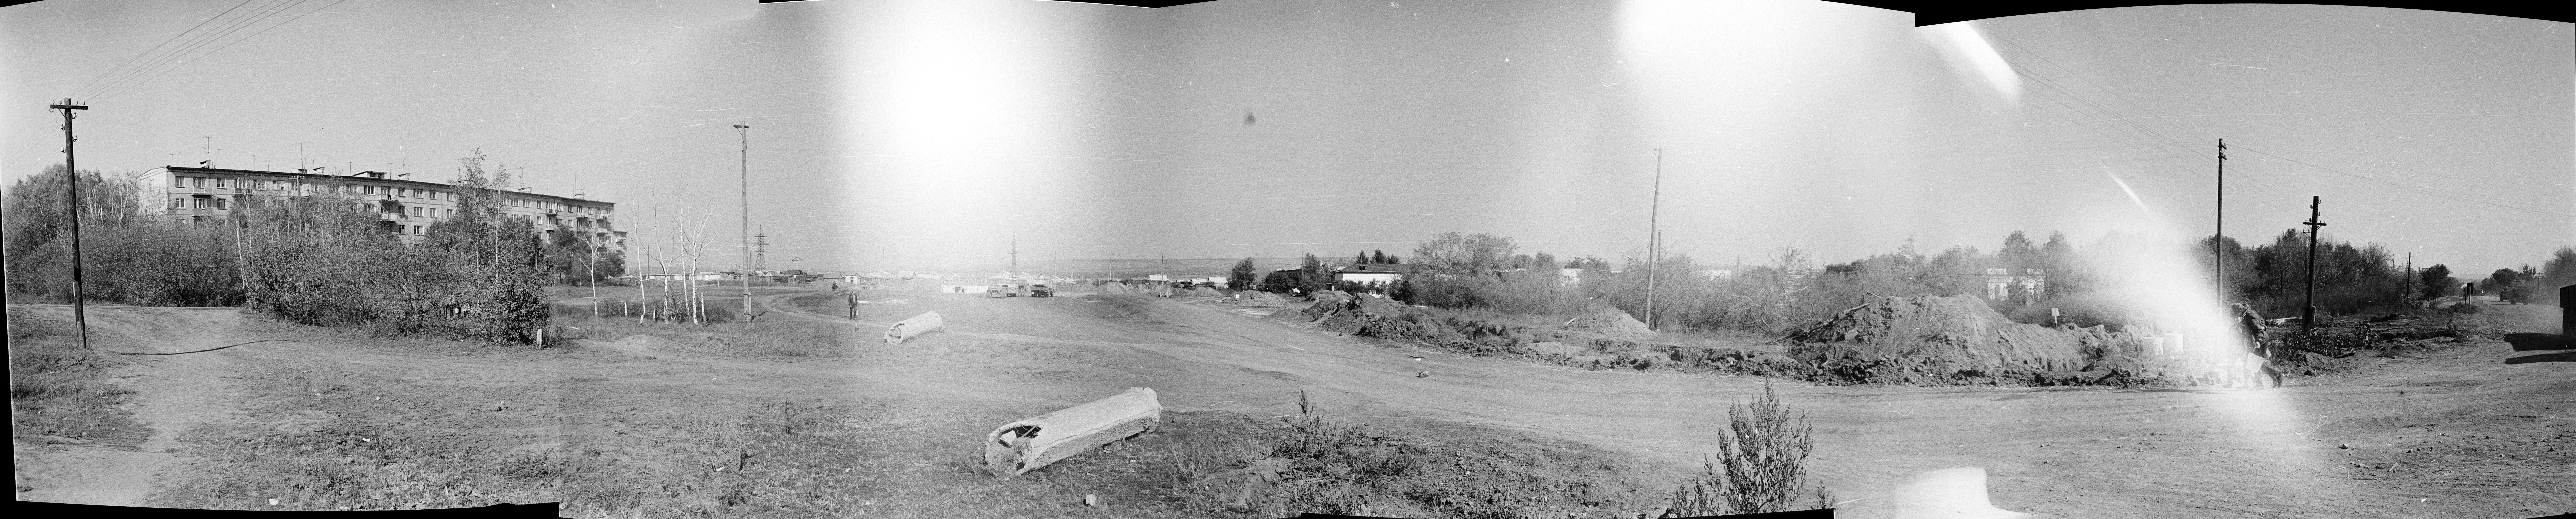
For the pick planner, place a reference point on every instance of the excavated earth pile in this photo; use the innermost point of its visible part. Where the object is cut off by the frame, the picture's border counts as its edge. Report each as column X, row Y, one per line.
column 1612, row 323
column 1928, row 340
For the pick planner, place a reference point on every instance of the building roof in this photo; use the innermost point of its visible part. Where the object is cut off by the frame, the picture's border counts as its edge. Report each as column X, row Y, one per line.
column 1376, row 268
column 309, row 177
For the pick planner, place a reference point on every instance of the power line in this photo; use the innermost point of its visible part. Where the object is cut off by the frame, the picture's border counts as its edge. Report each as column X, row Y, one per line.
column 221, row 31
column 111, row 71
column 2428, row 191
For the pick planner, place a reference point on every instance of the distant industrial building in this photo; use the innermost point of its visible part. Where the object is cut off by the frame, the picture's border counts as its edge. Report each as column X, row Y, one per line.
column 403, row 207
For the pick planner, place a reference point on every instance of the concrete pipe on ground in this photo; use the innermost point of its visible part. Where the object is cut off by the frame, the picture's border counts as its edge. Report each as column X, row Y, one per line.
column 914, row 327
column 1019, row 447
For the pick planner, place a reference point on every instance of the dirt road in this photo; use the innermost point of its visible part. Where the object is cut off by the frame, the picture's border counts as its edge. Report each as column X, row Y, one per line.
column 2053, row 452
column 2475, row 423
column 173, row 393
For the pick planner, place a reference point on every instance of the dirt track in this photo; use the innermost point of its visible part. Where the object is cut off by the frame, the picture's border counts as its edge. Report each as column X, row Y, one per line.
column 2053, row 452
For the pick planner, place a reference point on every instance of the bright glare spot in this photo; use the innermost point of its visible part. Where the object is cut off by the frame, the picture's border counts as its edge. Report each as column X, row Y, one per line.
column 1957, row 493
column 1966, row 48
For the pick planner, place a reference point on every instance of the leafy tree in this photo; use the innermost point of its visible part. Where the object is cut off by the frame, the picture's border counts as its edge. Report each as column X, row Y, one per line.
column 1454, row 253
column 1379, row 256
column 34, row 228
column 1311, row 275
column 2018, row 253
column 1363, row 258
column 1241, row 277
column 1283, row 281
column 574, row 259
column 1543, row 261
column 2437, row 281
column 2559, row 271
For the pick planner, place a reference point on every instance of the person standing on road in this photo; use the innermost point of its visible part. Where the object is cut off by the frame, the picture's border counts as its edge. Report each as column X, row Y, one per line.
column 2252, row 324
column 854, row 304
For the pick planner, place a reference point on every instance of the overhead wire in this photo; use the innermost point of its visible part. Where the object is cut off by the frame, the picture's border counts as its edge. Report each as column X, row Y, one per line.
column 2429, row 191
column 172, row 60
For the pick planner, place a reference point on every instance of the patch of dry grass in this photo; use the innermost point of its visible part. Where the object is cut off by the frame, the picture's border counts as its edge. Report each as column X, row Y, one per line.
column 58, row 390
column 320, row 437
column 782, row 338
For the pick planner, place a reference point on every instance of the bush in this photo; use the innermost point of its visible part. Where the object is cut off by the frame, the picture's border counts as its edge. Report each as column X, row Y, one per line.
column 1760, row 466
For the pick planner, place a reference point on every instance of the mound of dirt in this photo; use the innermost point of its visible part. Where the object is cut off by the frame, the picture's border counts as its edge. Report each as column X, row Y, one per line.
column 1929, row 340
column 1261, row 299
column 1113, row 287
column 1327, row 303
column 1610, row 322
column 1559, row 350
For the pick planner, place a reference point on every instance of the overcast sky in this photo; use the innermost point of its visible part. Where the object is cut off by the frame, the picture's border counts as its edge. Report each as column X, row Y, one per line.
column 899, row 134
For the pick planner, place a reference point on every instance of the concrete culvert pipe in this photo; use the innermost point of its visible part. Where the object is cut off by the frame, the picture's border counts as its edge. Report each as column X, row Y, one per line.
column 1019, row 447
column 914, row 327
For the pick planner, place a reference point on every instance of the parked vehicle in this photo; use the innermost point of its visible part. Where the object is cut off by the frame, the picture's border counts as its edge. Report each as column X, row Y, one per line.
column 1041, row 291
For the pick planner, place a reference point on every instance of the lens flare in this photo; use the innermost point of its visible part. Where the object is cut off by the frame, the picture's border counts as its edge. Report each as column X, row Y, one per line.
column 1954, row 493
column 1970, row 54
column 2189, row 335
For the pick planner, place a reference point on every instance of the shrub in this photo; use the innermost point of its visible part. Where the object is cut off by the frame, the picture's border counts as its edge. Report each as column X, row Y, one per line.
column 1760, row 466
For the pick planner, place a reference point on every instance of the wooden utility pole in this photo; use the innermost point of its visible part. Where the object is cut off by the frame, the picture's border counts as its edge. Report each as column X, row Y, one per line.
column 2410, row 276
column 2218, row 236
column 745, row 131
column 2308, row 319
column 71, row 201
column 1654, row 209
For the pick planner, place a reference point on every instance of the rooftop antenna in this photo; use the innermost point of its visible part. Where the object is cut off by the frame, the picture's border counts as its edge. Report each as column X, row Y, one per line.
column 210, row 153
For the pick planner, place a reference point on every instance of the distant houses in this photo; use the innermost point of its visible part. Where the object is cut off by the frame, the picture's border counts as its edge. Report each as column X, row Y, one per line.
column 1365, row 273
column 2001, row 282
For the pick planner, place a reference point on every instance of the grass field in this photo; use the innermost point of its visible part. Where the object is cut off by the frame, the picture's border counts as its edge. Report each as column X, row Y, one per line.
column 59, row 392
column 335, row 435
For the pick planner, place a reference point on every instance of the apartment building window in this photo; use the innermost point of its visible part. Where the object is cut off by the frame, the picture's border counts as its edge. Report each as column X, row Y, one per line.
column 178, row 203
column 196, row 181
column 222, row 204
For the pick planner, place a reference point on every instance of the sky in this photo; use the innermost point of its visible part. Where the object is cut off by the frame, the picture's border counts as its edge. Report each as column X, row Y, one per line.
column 937, row 135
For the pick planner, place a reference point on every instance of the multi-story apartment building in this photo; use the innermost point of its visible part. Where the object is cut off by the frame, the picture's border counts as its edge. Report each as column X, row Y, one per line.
column 403, row 207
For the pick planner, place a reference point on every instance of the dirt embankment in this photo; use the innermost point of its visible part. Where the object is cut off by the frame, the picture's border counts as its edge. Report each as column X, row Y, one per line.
column 1927, row 340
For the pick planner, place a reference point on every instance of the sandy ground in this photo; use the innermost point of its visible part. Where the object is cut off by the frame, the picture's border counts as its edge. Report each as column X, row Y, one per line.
column 2457, row 434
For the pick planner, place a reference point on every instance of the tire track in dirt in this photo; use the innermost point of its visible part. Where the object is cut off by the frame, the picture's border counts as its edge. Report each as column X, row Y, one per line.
column 172, row 394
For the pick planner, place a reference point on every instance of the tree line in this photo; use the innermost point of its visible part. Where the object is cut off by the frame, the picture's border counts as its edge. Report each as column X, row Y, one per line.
column 1455, row 270
column 320, row 261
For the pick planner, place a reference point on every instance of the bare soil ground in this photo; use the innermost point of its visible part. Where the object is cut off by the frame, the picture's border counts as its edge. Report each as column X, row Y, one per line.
column 2455, row 433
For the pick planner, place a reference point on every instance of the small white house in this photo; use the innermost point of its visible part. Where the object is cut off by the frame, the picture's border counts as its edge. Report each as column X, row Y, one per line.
column 1569, row 276
column 1381, row 273
column 1158, row 277
column 964, row 289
